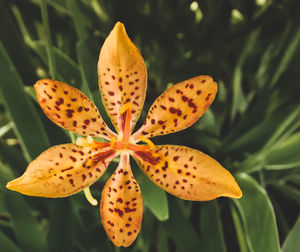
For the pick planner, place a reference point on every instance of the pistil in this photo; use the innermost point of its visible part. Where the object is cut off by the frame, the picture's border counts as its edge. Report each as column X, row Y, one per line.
column 126, row 108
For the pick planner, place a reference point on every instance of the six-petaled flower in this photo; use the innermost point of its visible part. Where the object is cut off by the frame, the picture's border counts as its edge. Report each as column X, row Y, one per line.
column 69, row 168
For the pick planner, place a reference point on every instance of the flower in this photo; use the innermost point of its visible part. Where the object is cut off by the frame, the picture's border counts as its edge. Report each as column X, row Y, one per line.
column 69, row 168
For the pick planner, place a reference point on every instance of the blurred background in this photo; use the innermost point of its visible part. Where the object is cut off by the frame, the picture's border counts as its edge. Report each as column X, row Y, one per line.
column 252, row 50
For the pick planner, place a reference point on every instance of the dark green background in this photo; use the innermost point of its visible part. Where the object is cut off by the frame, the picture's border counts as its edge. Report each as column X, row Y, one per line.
column 251, row 48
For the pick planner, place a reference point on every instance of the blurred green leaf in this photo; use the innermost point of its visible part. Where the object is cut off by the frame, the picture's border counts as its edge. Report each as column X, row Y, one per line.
column 25, row 226
column 27, row 123
column 257, row 216
column 211, row 228
column 61, row 229
column 153, row 197
column 285, row 155
column 181, row 230
column 291, row 243
column 7, row 244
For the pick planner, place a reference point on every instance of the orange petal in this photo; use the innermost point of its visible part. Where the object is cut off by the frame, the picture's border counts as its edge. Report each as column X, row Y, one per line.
column 63, row 170
column 187, row 173
column 122, row 76
column 69, row 108
column 121, row 205
column 179, row 106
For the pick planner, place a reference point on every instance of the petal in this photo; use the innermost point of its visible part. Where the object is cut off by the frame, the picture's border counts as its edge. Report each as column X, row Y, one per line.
column 121, row 205
column 179, row 106
column 71, row 109
column 187, row 173
column 63, row 170
column 122, row 76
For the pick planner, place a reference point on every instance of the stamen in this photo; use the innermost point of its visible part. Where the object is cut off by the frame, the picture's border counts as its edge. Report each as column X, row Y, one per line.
column 88, row 143
column 90, row 197
column 147, row 141
column 112, row 142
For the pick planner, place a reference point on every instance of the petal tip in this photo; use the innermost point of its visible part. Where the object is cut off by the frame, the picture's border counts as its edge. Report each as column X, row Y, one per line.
column 14, row 185
column 119, row 30
column 236, row 192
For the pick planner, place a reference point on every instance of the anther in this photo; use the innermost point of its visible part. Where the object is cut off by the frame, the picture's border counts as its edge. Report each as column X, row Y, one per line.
column 147, row 141
column 89, row 196
column 90, row 140
column 80, row 141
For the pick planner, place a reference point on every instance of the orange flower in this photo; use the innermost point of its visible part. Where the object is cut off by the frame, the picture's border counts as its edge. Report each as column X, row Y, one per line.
column 69, row 168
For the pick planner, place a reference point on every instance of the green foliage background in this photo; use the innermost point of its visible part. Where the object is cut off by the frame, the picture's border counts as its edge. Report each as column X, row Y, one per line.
column 252, row 50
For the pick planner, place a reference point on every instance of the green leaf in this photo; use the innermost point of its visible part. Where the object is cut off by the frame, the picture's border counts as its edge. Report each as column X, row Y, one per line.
column 25, row 226
column 61, row 229
column 212, row 238
column 153, row 197
column 28, row 126
column 180, row 229
column 285, row 155
column 7, row 244
column 67, row 69
column 287, row 56
column 257, row 216
column 291, row 243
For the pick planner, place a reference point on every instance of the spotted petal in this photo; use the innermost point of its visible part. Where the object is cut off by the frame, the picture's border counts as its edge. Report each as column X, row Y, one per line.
column 179, row 106
column 121, row 205
column 187, row 173
column 71, row 109
column 63, row 170
column 122, row 76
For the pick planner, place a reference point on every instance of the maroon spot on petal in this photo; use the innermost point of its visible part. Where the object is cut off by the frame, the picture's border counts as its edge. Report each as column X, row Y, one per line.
column 71, row 182
column 207, row 97
column 173, row 110
column 120, row 200
column 163, row 107
column 70, row 113
column 175, row 158
column 119, row 211
column 111, row 93
column 184, row 98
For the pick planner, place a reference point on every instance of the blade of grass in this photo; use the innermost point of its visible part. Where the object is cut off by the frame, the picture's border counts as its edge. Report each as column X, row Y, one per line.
column 25, row 226
column 7, row 244
column 28, row 125
column 47, row 35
